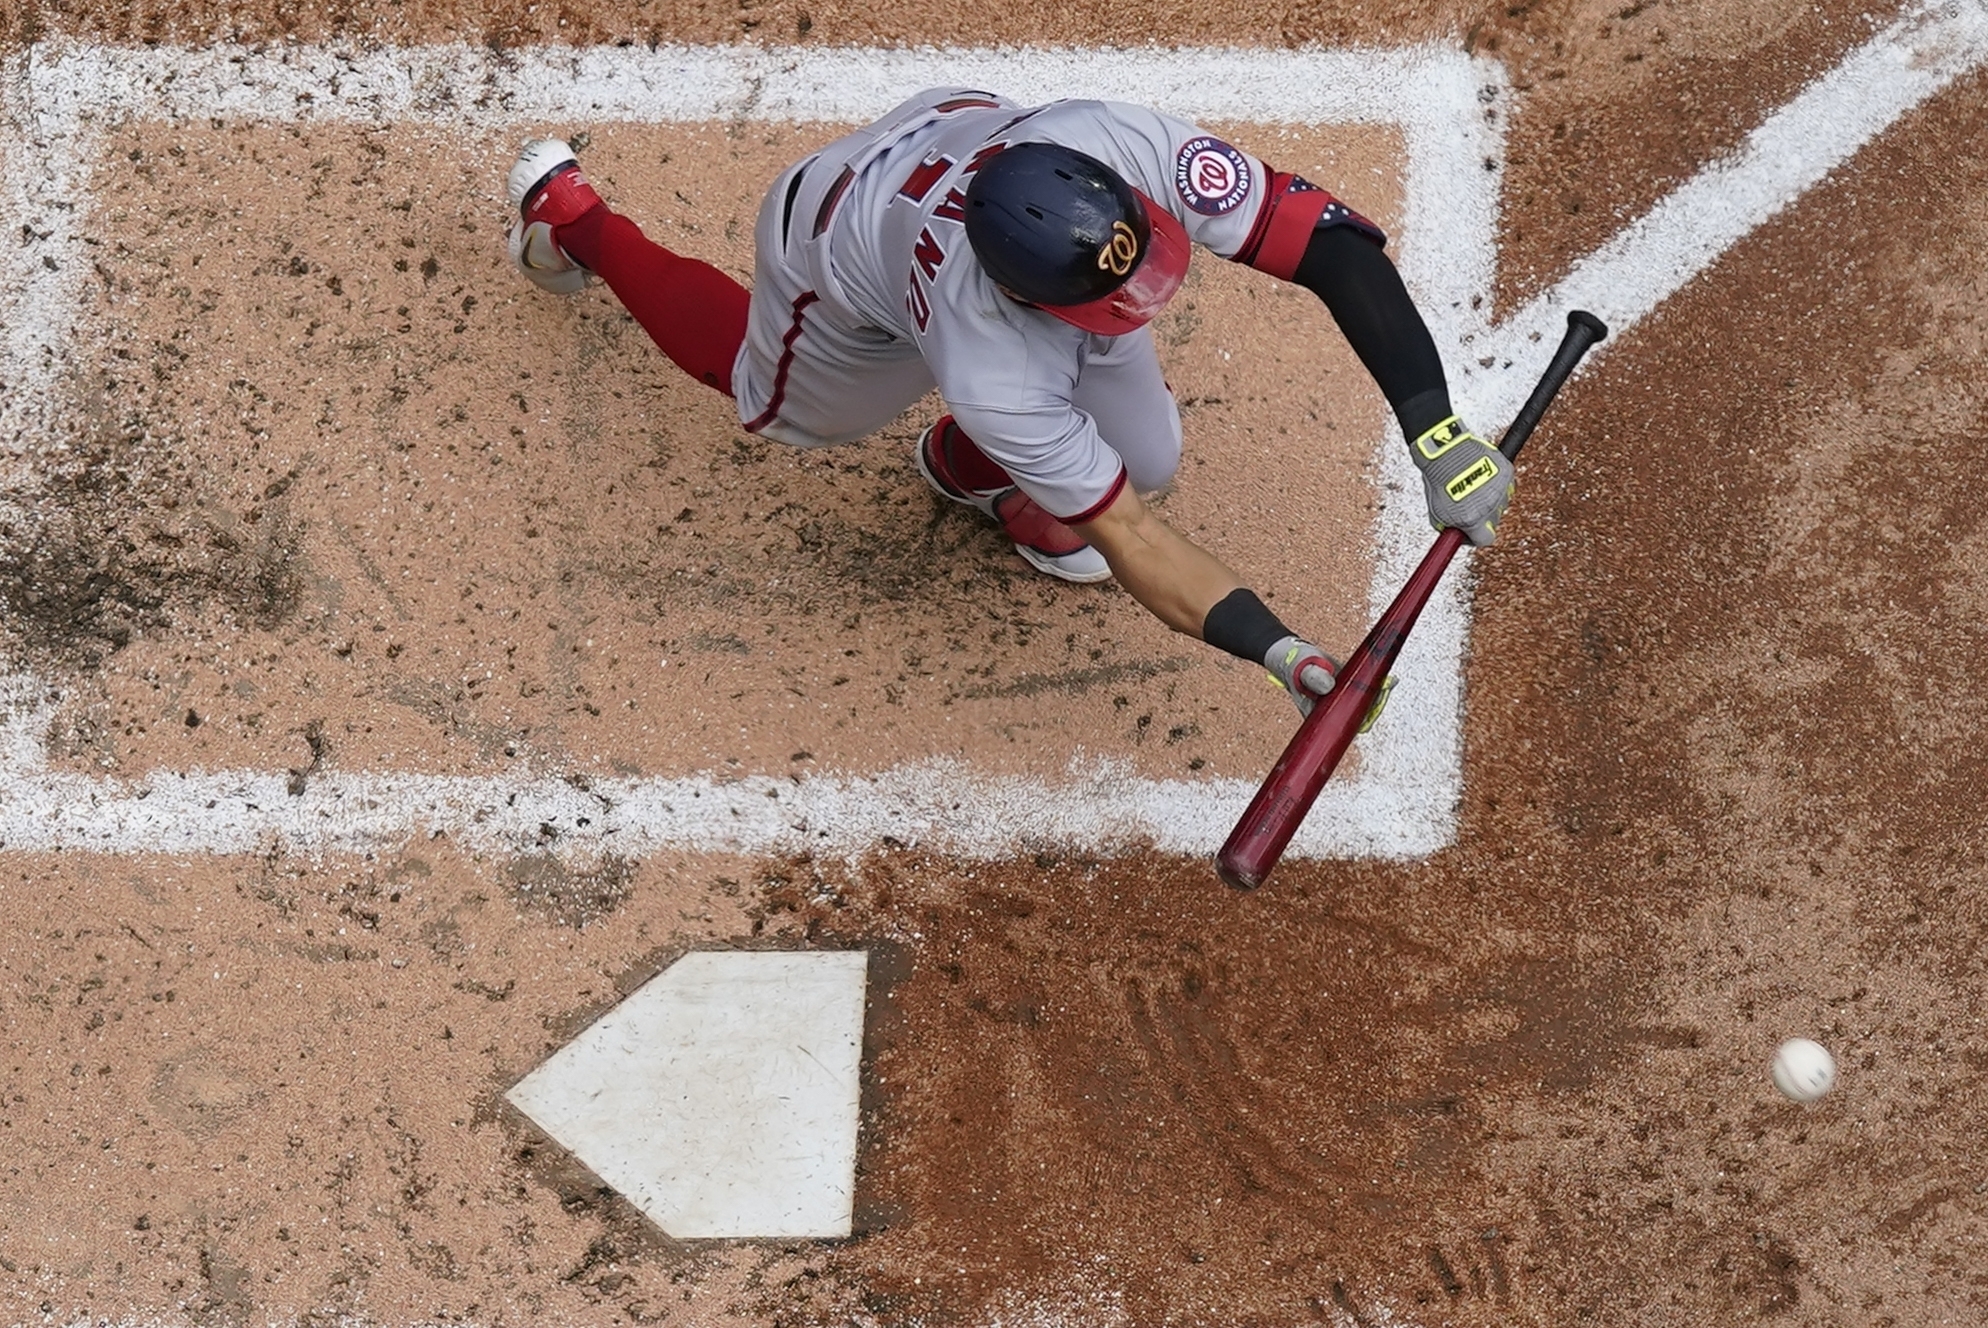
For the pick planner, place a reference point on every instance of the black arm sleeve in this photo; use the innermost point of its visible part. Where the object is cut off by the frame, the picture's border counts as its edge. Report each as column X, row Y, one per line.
column 1366, row 297
column 1244, row 626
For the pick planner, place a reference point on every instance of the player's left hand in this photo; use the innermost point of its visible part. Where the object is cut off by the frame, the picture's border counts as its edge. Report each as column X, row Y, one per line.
column 1305, row 671
column 1467, row 481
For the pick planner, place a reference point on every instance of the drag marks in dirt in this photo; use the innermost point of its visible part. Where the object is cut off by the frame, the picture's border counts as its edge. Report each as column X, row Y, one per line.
column 1189, row 1052
column 1279, row 1065
column 1462, row 1272
column 1193, row 1063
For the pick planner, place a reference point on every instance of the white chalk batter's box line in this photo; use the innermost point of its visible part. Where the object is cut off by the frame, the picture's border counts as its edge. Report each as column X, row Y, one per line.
column 1449, row 110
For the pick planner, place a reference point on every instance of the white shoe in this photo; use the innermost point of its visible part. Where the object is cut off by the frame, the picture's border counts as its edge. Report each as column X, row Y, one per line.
column 547, row 189
column 1044, row 542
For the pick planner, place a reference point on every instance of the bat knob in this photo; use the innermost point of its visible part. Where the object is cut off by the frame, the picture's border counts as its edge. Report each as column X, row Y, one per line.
column 1241, row 875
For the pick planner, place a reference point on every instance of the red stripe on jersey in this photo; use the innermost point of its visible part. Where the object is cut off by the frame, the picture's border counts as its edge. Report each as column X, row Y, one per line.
column 772, row 411
column 979, row 159
column 839, row 187
column 1034, row 110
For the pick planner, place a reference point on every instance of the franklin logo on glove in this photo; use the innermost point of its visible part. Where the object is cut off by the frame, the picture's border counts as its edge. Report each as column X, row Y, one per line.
column 1468, row 482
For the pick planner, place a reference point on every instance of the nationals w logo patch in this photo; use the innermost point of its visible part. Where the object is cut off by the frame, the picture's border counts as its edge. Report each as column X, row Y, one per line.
column 1210, row 176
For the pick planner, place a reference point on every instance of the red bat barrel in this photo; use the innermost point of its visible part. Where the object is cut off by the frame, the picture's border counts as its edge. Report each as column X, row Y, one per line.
column 1287, row 794
column 1293, row 785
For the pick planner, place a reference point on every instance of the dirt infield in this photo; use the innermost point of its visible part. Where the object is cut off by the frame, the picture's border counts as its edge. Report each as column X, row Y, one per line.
column 307, row 513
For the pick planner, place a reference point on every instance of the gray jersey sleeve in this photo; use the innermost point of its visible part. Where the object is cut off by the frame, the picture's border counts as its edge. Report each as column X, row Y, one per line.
column 1008, row 374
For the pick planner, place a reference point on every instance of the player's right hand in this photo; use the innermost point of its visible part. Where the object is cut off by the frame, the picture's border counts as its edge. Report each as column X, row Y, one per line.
column 1467, row 481
column 1305, row 671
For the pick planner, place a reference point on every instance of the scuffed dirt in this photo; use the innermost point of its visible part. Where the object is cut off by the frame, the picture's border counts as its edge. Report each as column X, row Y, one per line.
column 119, row 536
column 468, row 526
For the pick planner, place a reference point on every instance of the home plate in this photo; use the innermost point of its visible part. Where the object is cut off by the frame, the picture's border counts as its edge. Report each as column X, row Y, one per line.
column 721, row 1098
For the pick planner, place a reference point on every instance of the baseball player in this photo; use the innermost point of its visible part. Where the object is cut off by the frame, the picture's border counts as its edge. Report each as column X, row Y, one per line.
column 1012, row 256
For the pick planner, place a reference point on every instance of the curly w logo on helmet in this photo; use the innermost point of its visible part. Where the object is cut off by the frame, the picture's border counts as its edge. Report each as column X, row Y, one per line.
column 1120, row 252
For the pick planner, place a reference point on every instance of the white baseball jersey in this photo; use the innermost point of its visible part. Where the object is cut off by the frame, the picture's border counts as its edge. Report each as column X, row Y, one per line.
column 867, row 293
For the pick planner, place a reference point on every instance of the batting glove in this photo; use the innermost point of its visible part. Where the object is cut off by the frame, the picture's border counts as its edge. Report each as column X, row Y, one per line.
column 1302, row 669
column 1467, row 481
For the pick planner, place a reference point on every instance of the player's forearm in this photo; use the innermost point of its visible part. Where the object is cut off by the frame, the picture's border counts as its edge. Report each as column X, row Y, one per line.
column 1360, row 286
column 1191, row 591
column 1176, row 580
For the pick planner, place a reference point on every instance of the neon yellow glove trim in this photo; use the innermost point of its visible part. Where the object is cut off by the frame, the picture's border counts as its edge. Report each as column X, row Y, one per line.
column 1442, row 438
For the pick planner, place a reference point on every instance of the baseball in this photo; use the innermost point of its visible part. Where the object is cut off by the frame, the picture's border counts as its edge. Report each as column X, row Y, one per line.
column 1803, row 1070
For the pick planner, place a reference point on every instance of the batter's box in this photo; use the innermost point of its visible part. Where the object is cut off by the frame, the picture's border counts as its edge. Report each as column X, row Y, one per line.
column 362, row 537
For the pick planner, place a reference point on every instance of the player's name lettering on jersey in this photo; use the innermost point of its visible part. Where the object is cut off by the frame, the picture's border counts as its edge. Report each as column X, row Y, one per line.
column 928, row 253
column 927, row 173
column 918, row 305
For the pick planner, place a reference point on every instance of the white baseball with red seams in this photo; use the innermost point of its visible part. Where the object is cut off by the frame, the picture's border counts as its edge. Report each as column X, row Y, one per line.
column 1803, row 1069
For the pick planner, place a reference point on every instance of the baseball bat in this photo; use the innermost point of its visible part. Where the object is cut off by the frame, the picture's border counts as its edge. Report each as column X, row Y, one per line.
column 1288, row 792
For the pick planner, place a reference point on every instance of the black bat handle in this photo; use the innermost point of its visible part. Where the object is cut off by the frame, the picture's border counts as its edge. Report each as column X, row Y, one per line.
column 1583, row 331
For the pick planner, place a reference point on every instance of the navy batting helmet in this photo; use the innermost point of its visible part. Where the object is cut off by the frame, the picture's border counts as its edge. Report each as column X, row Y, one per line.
column 1060, row 229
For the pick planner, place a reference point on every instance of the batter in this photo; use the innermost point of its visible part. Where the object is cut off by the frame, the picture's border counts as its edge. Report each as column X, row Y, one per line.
column 1012, row 257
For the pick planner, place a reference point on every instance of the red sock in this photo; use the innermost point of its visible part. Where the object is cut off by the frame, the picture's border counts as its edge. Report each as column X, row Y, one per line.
column 969, row 465
column 692, row 311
